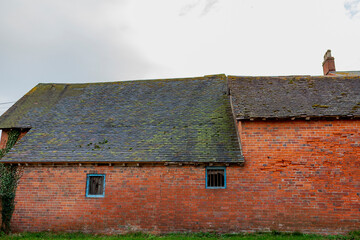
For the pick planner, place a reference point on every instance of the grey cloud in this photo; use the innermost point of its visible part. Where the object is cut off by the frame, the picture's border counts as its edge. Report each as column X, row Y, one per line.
column 352, row 8
column 187, row 8
column 208, row 6
column 63, row 41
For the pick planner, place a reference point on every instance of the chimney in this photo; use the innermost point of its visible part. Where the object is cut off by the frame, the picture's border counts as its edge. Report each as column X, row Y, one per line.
column 328, row 63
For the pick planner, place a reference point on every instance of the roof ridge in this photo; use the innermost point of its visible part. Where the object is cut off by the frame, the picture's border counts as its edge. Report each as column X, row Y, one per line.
column 221, row 75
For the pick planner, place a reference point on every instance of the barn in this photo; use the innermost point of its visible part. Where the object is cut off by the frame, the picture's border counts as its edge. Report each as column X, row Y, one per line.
column 214, row 153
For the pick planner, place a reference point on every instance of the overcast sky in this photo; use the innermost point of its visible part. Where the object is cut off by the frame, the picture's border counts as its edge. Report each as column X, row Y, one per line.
column 68, row 41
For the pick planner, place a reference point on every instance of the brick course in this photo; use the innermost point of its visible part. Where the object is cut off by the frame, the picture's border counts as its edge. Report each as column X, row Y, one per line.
column 298, row 176
column 305, row 174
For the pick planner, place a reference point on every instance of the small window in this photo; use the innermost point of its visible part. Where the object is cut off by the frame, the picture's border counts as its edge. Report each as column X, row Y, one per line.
column 95, row 185
column 215, row 177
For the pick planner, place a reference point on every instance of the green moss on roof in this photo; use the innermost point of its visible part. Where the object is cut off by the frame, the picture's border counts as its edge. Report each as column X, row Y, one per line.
column 184, row 120
column 295, row 96
column 319, row 106
column 36, row 103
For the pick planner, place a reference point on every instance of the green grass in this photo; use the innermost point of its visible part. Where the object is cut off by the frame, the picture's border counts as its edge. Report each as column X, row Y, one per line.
column 178, row 236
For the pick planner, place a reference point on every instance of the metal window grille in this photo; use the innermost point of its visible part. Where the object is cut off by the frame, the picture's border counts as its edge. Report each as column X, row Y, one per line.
column 215, row 178
column 95, row 185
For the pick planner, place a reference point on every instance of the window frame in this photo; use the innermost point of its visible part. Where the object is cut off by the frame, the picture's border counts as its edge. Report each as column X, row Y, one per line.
column 206, row 177
column 88, row 186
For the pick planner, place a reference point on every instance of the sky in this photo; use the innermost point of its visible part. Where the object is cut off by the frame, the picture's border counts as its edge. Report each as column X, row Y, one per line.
column 74, row 41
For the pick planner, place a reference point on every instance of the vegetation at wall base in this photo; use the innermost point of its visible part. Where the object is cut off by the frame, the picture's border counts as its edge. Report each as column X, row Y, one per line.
column 178, row 236
column 9, row 178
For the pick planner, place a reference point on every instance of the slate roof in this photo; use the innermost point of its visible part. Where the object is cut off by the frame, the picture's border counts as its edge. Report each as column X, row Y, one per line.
column 295, row 96
column 170, row 120
column 344, row 73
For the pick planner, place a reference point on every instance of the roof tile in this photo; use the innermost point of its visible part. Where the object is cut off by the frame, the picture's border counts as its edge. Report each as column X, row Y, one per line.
column 177, row 120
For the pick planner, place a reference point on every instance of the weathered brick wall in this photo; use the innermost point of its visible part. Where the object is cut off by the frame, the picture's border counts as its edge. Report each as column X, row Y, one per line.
column 298, row 176
column 152, row 198
column 3, row 139
column 304, row 175
column 4, row 136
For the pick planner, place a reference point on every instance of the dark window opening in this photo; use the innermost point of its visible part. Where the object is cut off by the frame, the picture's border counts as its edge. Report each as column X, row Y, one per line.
column 95, row 185
column 215, row 177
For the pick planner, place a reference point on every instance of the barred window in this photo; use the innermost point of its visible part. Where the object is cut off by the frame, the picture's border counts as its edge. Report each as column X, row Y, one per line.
column 95, row 185
column 215, row 177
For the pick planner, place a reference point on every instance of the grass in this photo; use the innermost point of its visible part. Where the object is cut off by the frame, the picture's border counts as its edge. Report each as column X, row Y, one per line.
column 178, row 236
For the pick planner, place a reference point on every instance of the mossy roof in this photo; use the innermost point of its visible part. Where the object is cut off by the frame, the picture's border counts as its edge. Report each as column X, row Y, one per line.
column 344, row 73
column 295, row 96
column 169, row 120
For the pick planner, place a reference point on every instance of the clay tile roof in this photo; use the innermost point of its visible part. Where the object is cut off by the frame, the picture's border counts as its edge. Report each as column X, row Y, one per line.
column 171, row 120
column 295, row 96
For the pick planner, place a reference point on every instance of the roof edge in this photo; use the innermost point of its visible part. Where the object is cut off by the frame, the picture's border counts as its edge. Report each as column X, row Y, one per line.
column 314, row 77
column 125, row 163
column 302, row 117
column 220, row 75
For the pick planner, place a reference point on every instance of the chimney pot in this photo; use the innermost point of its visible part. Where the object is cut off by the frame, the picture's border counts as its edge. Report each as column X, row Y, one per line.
column 328, row 63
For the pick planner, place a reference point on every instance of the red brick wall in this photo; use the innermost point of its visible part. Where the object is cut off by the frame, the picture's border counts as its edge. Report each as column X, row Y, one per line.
column 305, row 174
column 4, row 138
column 298, row 176
column 152, row 198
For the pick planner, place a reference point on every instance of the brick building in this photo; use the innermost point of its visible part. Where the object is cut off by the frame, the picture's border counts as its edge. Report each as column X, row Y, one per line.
column 215, row 153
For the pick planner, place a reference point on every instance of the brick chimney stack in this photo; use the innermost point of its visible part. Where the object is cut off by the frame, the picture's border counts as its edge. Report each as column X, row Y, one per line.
column 328, row 63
